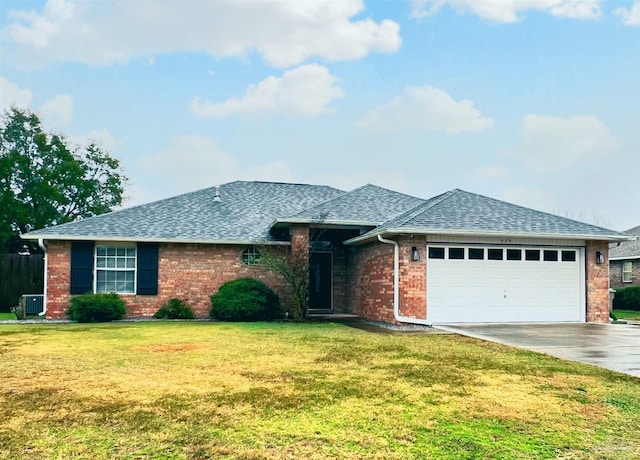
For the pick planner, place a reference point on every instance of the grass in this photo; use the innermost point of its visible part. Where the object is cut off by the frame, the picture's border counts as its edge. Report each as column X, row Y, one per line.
column 627, row 314
column 260, row 391
column 7, row 316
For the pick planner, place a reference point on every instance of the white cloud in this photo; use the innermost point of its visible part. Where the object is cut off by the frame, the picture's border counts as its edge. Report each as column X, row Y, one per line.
column 493, row 173
column 426, row 108
column 54, row 113
column 284, row 33
column 101, row 137
column 508, row 11
column 58, row 111
column 12, row 96
column 195, row 162
column 630, row 17
column 555, row 143
column 303, row 91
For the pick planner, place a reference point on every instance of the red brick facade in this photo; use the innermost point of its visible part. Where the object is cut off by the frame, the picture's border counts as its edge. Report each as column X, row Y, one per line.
column 191, row 272
column 370, row 280
column 362, row 277
column 597, row 283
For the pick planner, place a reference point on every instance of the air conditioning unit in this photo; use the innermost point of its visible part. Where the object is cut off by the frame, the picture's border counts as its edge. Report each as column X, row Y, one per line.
column 33, row 304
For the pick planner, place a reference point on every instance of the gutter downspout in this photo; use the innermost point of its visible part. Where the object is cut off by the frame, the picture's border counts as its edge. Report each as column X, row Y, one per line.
column 396, row 286
column 44, row 300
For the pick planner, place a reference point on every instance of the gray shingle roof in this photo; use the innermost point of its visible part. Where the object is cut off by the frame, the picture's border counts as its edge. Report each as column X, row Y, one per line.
column 247, row 209
column 243, row 215
column 627, row 249
column 458, row 211
column 368, row 204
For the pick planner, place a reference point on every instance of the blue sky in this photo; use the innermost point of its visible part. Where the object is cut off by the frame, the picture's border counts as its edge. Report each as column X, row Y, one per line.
column 536, row 102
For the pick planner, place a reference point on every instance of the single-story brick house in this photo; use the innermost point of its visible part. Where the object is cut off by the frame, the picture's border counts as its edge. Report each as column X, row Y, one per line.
column 624, row 261
column 374, row 252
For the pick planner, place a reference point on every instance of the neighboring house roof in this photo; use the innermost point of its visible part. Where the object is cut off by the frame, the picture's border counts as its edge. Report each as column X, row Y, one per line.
column 242, row 215
column 627, row 249
column 466, row 213
column 368, row 205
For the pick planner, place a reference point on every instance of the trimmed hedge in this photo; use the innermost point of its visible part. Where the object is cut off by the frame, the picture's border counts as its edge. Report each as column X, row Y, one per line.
column 627, row 298
column 96, row 308
column 244, row 299
column 175, row 309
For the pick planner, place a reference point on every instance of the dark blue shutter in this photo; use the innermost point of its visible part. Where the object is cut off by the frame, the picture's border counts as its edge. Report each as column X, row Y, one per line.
column 81, row 267
column 147, row 269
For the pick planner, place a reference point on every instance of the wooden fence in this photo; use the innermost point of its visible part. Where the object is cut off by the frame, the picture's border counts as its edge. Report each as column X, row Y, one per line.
column 20, row 275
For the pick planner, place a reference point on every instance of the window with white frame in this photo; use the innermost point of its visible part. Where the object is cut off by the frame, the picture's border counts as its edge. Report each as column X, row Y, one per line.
column 251, row 256
column 626, row 271
column 116, row 269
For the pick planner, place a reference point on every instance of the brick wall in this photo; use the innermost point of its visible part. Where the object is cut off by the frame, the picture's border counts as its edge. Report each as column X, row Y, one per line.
column 597, row 283
column 370, row 281
column 191, row 272
column 413, row 278
column 615, row 274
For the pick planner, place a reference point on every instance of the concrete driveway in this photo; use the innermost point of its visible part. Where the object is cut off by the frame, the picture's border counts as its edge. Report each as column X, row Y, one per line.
column 611, row 346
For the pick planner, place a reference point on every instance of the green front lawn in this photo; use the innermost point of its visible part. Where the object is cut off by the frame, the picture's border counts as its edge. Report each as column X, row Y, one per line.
column 7, row 316
column 627, row 314
column 253, row 391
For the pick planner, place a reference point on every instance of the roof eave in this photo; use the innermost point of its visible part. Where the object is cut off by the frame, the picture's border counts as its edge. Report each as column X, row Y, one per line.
column 421, row 231
column 149, row 239
column 625, row 258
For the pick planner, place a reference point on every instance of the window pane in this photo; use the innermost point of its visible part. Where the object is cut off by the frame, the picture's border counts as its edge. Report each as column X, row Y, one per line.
column 532, row 254
column 550, row 256
column 494, row 254
column 115, row 269
column 627, row 267
column 456, row 253
column 568, row 256
column 436, row 253
column 476, row 253
column 514, row 254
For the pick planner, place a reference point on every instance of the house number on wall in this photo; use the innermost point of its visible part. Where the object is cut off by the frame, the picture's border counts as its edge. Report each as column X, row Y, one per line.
column 505, row 241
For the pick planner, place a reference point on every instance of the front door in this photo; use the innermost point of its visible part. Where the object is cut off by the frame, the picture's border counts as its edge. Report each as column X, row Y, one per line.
column 320, row 268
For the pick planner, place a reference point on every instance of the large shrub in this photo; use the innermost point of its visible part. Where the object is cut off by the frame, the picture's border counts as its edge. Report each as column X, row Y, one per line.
column 175, row 309
column 96, row 308
column 244, row 299
column 627, row 298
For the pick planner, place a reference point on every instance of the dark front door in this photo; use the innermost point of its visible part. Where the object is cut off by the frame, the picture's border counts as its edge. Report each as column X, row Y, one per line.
column 320, row 267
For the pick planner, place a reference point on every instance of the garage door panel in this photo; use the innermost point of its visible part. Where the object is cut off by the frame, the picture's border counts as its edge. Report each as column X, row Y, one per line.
column 506, row 290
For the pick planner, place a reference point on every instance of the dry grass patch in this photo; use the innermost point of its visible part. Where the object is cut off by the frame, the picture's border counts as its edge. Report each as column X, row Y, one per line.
column 214, row 390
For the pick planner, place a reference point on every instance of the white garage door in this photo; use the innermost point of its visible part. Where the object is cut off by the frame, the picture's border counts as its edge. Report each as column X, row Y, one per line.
column 492, row 284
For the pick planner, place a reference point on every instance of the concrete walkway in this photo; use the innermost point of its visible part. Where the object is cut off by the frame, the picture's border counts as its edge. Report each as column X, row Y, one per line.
column 611, row 346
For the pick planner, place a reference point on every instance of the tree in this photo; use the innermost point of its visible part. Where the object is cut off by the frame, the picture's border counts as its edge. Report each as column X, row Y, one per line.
column 293, row 267
column 44, row 180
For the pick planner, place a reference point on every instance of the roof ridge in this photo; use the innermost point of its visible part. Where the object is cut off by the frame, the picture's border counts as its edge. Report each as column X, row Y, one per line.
column 428, row 204
column 322, row 203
